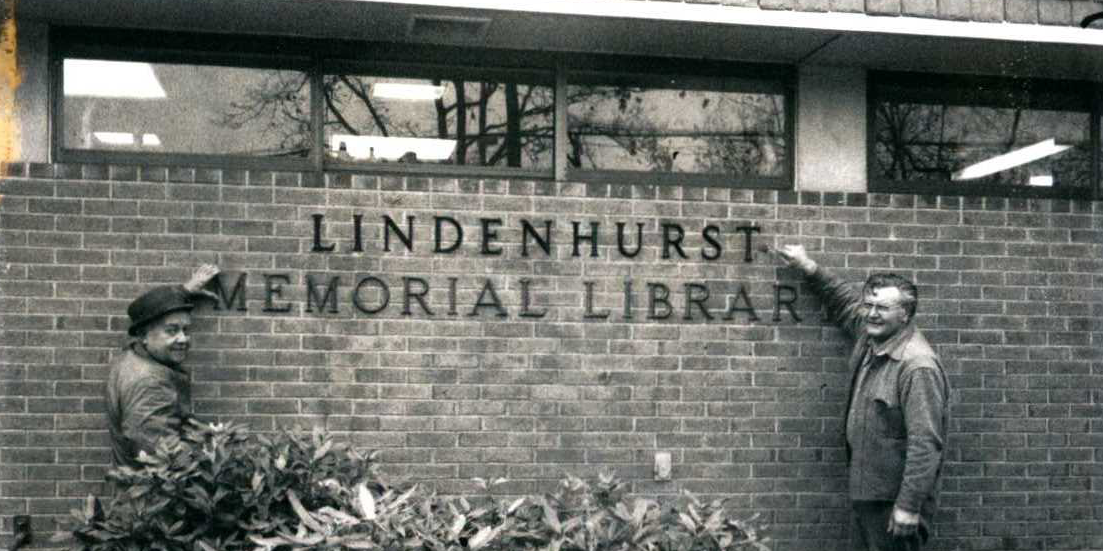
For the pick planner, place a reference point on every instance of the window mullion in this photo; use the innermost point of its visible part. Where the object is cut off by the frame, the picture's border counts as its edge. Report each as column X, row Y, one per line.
column 560, row 121
column 318, row 115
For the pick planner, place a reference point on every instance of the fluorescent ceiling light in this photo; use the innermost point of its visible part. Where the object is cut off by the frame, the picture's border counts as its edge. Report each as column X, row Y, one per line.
column 407, row 91
column 111, row 79
column 114, row 138
column 151, row 140
column 1011, row 159
column 1045, row 180
column 391, row 149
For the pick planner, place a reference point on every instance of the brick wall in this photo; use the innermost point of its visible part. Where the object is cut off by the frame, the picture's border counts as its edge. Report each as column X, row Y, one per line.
column 751, row 410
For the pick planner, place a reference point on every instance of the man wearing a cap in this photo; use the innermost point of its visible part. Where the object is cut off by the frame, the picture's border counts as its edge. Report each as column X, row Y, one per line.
column 148, row 391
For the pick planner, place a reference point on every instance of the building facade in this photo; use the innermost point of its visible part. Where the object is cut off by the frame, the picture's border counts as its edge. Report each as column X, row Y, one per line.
column 496, row 239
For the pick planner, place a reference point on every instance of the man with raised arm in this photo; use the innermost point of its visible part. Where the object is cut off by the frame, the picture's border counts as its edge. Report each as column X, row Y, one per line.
column 148, row 391
column 898, row 411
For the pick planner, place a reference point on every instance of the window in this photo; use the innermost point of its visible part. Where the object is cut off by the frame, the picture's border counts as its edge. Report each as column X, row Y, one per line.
column 440, row 116
column 974, row 135
column 681, row 128
column 300, row 104
column 188, row 109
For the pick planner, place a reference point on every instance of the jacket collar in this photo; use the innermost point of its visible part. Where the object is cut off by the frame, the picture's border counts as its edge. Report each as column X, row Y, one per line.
column 139, row 350
column 894, row 346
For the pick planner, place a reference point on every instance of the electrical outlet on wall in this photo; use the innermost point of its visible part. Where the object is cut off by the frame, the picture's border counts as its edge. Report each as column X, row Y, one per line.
column 662, row 466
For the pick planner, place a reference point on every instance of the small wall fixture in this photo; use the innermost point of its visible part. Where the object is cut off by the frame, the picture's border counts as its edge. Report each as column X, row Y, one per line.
column 448, row 28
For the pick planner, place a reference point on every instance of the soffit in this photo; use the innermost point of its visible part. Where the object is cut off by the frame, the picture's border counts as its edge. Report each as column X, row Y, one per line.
column 712, row 32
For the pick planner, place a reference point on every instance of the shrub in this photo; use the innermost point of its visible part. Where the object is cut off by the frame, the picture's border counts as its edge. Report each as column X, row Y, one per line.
column 577, row 517
column 220, row 488
column 215, row 486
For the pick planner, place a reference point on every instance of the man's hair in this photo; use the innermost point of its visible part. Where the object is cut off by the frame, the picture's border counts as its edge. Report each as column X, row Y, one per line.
column 908, row 292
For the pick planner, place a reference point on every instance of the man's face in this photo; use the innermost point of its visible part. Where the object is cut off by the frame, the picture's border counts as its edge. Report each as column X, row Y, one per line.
column 884, row 314
column 167, row 339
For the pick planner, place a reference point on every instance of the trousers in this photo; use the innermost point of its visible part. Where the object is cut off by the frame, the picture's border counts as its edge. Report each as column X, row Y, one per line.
column 869, row 529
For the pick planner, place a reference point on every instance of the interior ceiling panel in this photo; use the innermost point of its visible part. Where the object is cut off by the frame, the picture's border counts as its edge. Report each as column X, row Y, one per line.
column 359, row 20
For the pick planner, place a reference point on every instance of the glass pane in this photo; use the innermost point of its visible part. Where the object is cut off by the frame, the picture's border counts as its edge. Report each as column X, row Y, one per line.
column 676, row 130
column 988, row 145
column 448, row 122
column 195, row 109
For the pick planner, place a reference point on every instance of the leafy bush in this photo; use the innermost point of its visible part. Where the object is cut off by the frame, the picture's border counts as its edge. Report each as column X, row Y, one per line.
column 577, row 517
column 215, row 486
column 219, row 488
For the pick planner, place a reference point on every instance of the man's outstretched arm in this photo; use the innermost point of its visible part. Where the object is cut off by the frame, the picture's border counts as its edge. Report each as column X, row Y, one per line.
column 843, row 301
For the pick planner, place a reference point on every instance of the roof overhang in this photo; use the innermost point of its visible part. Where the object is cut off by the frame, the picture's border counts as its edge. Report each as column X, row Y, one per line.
column 674, row 29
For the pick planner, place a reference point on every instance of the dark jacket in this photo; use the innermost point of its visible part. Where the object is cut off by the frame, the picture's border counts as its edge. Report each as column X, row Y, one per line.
column 898, row 412
column 145, row 401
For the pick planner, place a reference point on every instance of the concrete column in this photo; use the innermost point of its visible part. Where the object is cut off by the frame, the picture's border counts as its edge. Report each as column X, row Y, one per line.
column 32, row 97
column 831, row 129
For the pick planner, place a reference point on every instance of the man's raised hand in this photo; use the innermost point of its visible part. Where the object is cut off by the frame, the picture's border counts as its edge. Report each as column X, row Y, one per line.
column 795, row 256
column 199, row 279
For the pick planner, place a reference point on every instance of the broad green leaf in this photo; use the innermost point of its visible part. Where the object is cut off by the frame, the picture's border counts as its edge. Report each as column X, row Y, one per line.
column 687, row 522
column 268, row 542
column 340, row 517
column 714, row 520
column 402, row 498
column 304, row 540
column 457, row 526
column 304, row 515
column 513, row 506
column 551, row 517
column 365, row 502
column 322, row 451
column 481, row 538
column 640, row 511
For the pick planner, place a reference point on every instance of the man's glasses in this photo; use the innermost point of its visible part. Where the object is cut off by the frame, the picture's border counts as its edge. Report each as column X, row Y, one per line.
column 873, row 307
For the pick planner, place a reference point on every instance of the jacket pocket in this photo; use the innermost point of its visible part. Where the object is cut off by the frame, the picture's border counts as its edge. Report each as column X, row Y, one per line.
column 889, row 419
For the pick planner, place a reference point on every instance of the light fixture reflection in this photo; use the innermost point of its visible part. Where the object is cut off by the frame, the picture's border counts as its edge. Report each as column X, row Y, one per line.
column 1009, row 160
column 126, row 138
column 1043, row 180
column 407, row 91
column 384, row 148
column 114, row 138
column 111, row 79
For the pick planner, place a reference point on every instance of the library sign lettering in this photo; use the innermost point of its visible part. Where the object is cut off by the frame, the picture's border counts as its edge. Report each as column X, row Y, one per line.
column 369, row 294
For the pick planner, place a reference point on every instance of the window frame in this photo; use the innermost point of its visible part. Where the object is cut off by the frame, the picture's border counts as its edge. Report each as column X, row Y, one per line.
column 318, row 57
column 1076, row 94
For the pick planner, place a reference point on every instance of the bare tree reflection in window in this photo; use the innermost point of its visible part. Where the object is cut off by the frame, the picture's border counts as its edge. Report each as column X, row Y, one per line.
column 918, row 141
column 675, row 130
column 492, row 123
column 279, row 101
